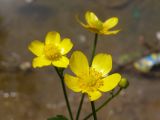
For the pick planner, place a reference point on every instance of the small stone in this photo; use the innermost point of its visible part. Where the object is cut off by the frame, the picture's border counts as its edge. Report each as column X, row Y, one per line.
column 82, row 38
column 158, row 35
column 13, row 94
column 6, row 95
column 25, row 66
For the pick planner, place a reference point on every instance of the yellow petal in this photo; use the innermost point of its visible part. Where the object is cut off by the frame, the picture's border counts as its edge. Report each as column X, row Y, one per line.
column 52, row 38
column 110, row 82
column 72, row 82
column 62, row 62
column 102, row 63
column 110, row 23
column 80, row 22
column 94, row 27
column 65, row 46
column 40, row 62
column 90, row 28
column 91, row 18
column 94, row 95
column 79, row 64
column 36, row 47
column 110, row 32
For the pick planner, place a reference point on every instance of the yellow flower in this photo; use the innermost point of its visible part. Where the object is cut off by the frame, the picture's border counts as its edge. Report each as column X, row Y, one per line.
column 91, row 80
column 53, row 51
column 97, row 26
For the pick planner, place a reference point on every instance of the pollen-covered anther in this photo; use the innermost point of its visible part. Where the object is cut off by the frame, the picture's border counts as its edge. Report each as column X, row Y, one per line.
column 52, row 52
column 91, row 82
column 93, row 73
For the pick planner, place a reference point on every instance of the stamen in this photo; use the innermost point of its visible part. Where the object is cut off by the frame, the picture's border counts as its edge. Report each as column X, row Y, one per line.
column 52, row 52
column 92, row 82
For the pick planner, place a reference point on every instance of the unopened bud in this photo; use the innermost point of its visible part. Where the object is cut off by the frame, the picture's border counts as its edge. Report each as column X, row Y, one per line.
column 123, row 83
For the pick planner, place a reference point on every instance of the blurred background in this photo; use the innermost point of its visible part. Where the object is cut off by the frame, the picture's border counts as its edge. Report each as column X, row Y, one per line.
column 36, row 94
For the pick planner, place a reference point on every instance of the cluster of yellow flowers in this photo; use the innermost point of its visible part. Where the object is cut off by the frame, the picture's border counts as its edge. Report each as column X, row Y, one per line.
column 91, row 80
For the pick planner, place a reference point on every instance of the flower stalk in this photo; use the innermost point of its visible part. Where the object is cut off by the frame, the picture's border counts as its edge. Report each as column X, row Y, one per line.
column 60, row 74
column 80, row 106
column 92, row 56
column 104, row 104
column 94, row 48
column 93, row 110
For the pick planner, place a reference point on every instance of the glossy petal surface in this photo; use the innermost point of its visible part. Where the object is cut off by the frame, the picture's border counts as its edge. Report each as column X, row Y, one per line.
column 110, row 82
column 65, row 46
column 62, row 62
column 72, row 82
column 53, row 38
column 94, row 95
column 110, row 23
column 102, row 63
column 40, row 62
column 36, row 47
column 79, row 63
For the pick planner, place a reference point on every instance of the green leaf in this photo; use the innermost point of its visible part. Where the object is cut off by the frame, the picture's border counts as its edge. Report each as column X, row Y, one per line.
column 58, row 117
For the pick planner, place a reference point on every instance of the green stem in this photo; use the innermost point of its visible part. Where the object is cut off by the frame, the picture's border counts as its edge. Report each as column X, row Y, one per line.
column 80, row 106
column 60, row 74
column 94, row 48
column 93, row 110
column 90, row 63
column 92, row 56
column 105, row 103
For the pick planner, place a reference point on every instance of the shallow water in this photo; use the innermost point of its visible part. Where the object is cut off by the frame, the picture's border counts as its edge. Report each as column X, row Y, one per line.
column 36, row 94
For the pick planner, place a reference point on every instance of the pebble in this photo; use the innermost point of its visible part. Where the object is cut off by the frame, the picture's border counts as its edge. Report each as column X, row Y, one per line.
column 6, row 95
column 13, row 94
column 25, row 66
column 82, row 38
column 158, row 35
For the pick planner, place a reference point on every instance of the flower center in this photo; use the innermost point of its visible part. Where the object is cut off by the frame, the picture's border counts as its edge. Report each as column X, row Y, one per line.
column 91, row 82
column 52, row 52
column 97, row 26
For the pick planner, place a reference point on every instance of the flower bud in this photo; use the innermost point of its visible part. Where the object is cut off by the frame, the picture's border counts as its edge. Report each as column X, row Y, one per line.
column 123, row 83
